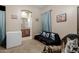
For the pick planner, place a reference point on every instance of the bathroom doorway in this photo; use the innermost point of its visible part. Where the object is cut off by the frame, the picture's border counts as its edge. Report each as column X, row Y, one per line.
column 26, row 25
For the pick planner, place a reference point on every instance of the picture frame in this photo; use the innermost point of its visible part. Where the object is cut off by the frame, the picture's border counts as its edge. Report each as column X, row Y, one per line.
column 13, row 16
column 61, row 18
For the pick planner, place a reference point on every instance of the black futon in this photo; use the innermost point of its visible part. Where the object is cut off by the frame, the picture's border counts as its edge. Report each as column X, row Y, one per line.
column 48, row 38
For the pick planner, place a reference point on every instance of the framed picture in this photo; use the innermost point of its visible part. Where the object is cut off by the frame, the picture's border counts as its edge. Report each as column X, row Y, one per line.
column 13, row 16
column 61, row 17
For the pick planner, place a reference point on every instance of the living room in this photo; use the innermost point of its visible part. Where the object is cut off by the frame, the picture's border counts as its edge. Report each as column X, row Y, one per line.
column 63, row 21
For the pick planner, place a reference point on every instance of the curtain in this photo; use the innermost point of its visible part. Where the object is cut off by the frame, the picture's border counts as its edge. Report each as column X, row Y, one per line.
column 46, row 21
column 2, row 26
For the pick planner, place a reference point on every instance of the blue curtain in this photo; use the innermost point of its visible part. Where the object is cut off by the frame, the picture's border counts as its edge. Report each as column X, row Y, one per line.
column 2, row 26
column 46, row 21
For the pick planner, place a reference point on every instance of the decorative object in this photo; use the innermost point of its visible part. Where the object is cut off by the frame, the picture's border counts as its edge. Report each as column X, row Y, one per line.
column 13, row 16
column 37, row 19
column 61, row 17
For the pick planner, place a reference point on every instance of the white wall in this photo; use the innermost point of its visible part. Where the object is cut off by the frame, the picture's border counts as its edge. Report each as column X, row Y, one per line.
column 15, row 24
column 63, row 28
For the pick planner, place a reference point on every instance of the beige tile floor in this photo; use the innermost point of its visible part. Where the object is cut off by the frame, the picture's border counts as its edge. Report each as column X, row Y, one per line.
column 27, row 46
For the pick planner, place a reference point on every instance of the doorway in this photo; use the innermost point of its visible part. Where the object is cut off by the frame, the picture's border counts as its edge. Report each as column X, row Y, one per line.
column 26, row 25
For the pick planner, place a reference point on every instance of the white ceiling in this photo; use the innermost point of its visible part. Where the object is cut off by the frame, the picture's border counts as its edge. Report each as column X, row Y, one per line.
column 39, row 6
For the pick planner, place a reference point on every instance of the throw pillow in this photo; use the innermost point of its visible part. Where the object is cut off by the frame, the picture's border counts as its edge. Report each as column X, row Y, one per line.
column 52, row 36
column 44, row 34
column 47, row 35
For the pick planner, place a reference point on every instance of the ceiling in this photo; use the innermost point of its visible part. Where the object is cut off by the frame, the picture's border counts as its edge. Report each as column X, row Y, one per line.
column 39, row 6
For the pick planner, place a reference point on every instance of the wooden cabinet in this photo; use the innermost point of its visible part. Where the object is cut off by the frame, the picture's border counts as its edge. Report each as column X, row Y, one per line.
column 25, row 32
